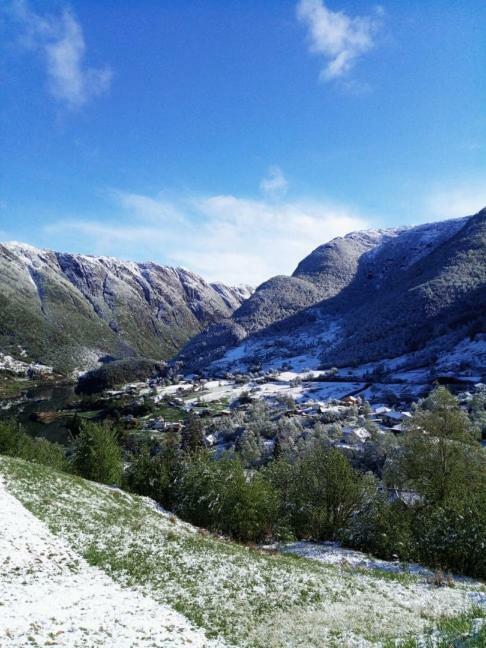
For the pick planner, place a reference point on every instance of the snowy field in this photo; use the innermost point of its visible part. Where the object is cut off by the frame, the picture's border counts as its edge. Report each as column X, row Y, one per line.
column 115, row 569
column 51, row 596
column 332, row 553
column 281, row 386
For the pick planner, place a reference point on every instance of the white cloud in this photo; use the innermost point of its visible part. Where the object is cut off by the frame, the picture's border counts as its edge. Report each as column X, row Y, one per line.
column 464, row 199
column 59, row 39
column 338, row 38
column 221, row 237
column 274, row 184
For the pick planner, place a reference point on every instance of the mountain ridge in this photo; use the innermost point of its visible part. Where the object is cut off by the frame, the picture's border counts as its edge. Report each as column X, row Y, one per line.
column 366, row 285
column 71, row 309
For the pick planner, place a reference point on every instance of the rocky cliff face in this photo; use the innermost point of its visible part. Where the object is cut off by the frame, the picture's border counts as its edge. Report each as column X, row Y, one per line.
column 69, row 310
column 358, row 298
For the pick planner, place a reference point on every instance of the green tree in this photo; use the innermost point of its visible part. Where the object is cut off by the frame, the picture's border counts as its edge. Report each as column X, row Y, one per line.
column 329, row 492
column 249, row 505
column 250, row 447
column 452, row 535
column 197, row 490
column 97, row 455
column 477, row 408
column 220, row 495
column 281, row 475
column 150, row 476
column 277, row 448
column 10, row 438
column 382, row 528
column 440, row 456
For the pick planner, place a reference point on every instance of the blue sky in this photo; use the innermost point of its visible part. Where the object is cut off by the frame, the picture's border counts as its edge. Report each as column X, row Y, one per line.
column 233, row 137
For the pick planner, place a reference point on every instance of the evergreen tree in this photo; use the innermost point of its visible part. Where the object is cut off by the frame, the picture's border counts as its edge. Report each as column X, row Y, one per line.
column 97, row 455
column 277, row 448
column 193, row 437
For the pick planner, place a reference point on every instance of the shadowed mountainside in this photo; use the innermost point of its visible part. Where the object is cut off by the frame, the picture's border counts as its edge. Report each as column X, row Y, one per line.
column 365, row 296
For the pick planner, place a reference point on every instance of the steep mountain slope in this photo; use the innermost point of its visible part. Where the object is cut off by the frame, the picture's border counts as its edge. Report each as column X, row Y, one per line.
column 375, row 295
column 319, row 276
column 69, row 310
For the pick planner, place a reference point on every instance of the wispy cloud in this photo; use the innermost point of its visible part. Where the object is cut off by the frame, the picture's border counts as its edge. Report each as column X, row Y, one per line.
column 274, row 184
column 59, row 39
column 338, row 38
column 222, row 237
column 462, row 199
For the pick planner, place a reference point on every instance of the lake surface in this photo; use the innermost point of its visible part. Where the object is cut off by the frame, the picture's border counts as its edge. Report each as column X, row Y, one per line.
column 42, row 398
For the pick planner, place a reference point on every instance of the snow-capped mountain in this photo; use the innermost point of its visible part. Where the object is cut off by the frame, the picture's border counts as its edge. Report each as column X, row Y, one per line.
column 71, row 309
column 359, row 298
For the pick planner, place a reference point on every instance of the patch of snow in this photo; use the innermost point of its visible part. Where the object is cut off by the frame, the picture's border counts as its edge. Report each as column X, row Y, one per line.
column 332, row 553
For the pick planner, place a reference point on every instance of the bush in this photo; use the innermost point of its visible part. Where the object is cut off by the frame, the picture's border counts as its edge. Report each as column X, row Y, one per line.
column 280, row 475
column 193, row 437
column 153, row 474
column 10, row 438
column 453, row 535
column 149, row 476
column 382, row 528
column 97, row 455
column 318, row 495
column 217, row 494
column 249, row 506
column 16, row 443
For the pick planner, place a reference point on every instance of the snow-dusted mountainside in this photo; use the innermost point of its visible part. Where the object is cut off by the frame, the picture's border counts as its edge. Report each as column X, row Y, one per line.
column 70, row 309
column 357, row 299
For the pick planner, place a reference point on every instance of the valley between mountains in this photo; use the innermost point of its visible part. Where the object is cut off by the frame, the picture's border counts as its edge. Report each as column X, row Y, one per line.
column 297, row 464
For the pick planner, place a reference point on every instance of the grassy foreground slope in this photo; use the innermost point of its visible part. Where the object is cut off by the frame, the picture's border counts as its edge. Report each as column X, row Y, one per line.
column 50, row 596
column 247, row 597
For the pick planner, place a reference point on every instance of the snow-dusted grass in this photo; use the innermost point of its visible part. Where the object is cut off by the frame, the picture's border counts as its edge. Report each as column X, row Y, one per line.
column 50, row 596
column 247, row 597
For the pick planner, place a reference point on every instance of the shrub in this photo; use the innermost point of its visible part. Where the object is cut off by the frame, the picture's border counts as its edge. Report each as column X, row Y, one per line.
column 219, row 495
column 453, row 535
column 318, row 494
column 249, row 506
column 40, row 450
column 328, row 492
column 16, row 443
column 10, row 438
column 149, row 476
column 154, row 475
column 382, row 528
column 193, row 437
